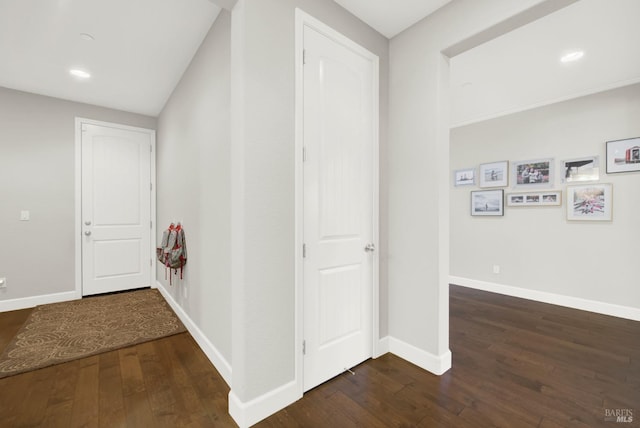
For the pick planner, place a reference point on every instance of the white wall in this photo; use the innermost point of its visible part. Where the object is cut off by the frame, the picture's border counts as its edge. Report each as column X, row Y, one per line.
column 193, row 181
column 537, row 248
column 37, row 167
column 418, row 166
column 263, row 203
column 414, row 182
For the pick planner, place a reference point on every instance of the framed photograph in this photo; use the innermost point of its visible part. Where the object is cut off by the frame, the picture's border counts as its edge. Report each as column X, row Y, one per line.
column 539, row 199
column 623, row 155
column 551, row 198
column 495, row 174
column 590, row 202
column 533, row 173
column 581, row 169
column 487, row 202
column 464, row 177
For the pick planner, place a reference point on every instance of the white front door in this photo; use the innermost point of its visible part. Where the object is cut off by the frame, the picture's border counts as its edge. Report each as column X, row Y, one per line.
column 116, row 208
column 338, row 213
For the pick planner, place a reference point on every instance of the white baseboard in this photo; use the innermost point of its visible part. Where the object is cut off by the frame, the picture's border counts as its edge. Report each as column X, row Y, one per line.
column 252, row 412
column 383, row 347
column 30, row 302
column 216, row 358
column 436, row 364
column 554, row 299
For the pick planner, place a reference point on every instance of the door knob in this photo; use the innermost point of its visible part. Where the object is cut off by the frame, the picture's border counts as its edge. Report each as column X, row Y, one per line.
column 87, row 232
column 370, row 248
column 87, row 223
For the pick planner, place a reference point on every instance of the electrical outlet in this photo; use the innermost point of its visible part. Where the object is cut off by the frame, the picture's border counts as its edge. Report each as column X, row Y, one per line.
column 496, row 269
column 3, row 282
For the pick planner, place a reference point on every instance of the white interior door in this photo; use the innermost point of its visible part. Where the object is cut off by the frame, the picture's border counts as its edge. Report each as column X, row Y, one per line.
column 338, row 208
column 116, row 209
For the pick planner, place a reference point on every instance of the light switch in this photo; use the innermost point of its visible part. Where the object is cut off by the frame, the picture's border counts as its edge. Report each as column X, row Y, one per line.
column 24, row 215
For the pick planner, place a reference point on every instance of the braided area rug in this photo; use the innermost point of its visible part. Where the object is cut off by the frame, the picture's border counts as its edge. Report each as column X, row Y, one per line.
column 61, row 332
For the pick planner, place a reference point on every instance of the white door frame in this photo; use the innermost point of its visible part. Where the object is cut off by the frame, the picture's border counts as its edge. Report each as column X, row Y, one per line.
column 303, row 19
column 78, row 196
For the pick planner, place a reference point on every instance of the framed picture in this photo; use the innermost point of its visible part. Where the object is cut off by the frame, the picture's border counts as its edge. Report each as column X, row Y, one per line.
column 623, row 155
column 495, row 174
column 539, row 199
column 590, row 202
column 533, row 173
column 464, row 177
column 581, row 169
column 487, row 202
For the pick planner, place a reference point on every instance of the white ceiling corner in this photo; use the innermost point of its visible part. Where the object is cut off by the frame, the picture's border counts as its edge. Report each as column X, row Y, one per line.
column 224, row 4
column 391, row 17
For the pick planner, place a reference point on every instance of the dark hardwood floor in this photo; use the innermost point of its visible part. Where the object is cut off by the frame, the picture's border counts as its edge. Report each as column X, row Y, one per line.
column 164, row 383
column 516, row 363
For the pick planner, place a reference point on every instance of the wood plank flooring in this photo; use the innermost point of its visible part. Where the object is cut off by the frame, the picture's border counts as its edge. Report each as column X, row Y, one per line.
column 516, row 363
column 163, row 383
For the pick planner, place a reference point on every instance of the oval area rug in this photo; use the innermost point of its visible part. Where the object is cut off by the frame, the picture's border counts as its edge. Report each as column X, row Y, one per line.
column 61, row 332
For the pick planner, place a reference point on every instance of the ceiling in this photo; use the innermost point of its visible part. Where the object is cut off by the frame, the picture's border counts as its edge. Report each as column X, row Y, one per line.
column 522, row 69
column 141, row 48
column 391, row 17
column 139, row 51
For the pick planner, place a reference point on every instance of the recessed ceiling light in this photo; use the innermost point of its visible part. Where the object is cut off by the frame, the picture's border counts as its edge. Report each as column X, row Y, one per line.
column 81, row 74
column 572, row 56
column 86, row 36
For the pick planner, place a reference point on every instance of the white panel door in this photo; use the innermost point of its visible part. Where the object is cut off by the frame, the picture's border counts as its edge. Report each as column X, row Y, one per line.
column 116, row 209
column 338, row 208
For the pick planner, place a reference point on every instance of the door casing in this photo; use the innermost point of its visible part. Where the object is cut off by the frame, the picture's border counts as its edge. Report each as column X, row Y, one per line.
column 303, row 19
column 79, row 121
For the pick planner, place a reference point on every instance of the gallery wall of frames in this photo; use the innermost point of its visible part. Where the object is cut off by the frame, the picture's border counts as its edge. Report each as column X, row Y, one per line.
column 546, row 200
column 543, row 182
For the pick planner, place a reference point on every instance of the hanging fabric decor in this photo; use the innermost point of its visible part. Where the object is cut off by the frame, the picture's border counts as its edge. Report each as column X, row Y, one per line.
column 173, row 250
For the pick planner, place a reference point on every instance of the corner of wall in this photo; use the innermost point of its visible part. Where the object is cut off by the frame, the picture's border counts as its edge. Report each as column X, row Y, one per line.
column 252, row 412
column 220, row 363
column 436, row 364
